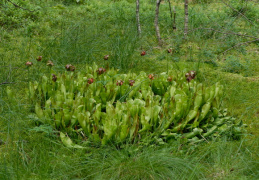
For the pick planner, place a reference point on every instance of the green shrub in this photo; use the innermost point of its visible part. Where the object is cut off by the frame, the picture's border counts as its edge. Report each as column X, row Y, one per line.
column 14, row 17
column 68, row 2
column 233, row 65
column 201, row 1
column 244, row 7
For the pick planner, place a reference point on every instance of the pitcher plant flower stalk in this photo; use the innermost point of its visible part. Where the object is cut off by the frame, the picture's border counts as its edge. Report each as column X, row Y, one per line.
column 106, row 64
column 29, row 64
column 120, row 83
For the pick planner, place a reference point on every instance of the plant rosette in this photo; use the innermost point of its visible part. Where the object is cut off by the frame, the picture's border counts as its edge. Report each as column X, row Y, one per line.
column 111, row 111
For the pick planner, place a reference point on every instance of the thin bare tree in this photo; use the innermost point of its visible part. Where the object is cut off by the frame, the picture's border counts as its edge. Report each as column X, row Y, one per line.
column 17, row 6
column 171, row 13
column 172, row 16
column 137, row 17
column 185, row 18
column 156, row 22
column 239, row 44
column 174, row 23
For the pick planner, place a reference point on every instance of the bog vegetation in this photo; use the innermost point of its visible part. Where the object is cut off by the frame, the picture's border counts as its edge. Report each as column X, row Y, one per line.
column 129, row 89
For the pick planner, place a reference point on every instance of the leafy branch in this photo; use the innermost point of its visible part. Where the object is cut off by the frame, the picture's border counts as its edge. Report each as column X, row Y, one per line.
column 17, row 6
column 6, row 83
column 229, row 32
column 240, row 44
column 237, row 12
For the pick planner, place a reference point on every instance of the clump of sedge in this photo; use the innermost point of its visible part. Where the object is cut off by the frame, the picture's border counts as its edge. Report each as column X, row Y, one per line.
column 119, row 82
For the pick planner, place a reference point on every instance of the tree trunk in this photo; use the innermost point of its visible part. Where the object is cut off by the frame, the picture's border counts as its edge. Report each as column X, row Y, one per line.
column 156, row 22
column 171, row 14
column 174, row 23
column 186, row 18
column 137, row 17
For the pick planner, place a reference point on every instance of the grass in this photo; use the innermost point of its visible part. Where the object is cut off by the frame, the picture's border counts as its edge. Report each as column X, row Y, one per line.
column 67, row 32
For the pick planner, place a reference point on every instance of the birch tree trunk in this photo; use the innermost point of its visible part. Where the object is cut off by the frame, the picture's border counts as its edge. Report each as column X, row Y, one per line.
column 156, row 22
column 186, row 18
column 137, row 17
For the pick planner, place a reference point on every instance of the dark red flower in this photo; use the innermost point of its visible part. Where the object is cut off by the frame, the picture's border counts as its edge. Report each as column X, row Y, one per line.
column 189, row 78
column 100, row 71
column 143, row 53
column 106, row 57
column 187, row 75
column 39, row 58
column 54, row 78
column 119, row 82
column 190, row 75
column 50, row 63
column 90, row 80
column 70, row 67
column 28, row 63
column 131, row 82
column 151, row 76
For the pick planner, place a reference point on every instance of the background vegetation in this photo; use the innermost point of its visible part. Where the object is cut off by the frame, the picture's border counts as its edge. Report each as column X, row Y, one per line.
column 218, row 47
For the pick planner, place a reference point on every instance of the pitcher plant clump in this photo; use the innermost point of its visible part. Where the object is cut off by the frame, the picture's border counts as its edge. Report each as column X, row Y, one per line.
column 99, row 107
